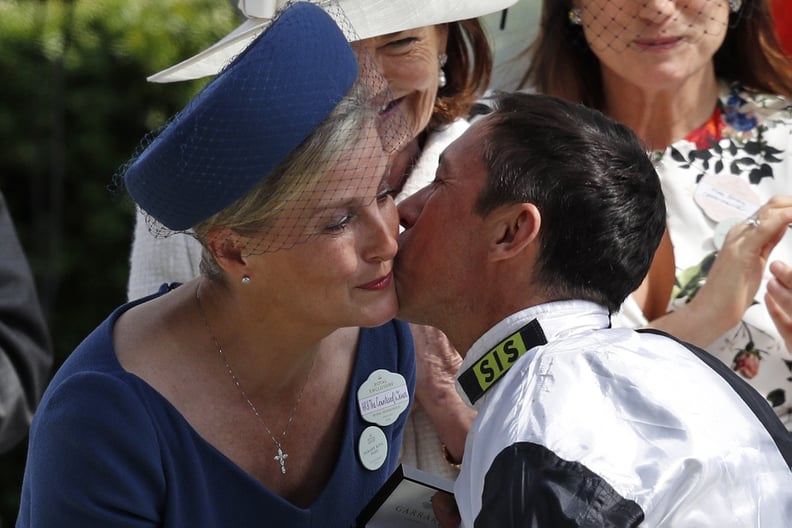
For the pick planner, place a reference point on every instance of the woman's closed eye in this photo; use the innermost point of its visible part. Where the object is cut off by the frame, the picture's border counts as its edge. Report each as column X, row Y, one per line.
column 386, row 193
column 400, row 45
column 340, row 224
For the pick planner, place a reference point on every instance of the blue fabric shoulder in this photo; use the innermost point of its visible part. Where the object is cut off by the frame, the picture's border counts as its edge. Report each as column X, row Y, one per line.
column 106, row 450
column 92, row 457
column 393, row 339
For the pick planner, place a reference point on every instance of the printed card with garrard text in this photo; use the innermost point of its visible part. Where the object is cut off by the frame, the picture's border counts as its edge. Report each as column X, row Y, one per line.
column 405, row 500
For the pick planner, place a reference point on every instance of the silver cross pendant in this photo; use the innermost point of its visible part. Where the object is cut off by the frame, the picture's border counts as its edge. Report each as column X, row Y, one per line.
column 281, row 458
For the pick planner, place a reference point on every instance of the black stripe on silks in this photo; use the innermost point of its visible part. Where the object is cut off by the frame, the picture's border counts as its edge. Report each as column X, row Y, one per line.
column 527, row 485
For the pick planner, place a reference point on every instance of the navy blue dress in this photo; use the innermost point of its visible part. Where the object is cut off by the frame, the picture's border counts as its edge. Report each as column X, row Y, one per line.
column 106, row 449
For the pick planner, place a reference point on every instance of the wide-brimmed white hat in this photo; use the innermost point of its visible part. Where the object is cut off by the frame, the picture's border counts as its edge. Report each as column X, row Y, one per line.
column 369, row 18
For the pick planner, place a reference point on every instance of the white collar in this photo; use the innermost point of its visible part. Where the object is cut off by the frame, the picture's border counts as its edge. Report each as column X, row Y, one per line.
column 492, row 355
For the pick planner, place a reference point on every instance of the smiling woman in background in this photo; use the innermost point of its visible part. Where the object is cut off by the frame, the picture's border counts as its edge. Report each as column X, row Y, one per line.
column 707, row 86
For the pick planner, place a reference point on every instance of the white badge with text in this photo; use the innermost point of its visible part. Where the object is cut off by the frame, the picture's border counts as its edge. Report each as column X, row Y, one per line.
column 723, row 196
column 383, row 397
column 373, row 448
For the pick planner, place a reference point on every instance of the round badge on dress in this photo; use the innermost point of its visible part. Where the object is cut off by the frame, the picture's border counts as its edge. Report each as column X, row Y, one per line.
column 383, row 397
column 723, row 196
column 372, row 448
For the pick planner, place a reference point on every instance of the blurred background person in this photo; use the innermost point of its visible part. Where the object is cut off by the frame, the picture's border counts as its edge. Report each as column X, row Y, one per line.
column 26, row 352
column 510, row 31
column 25, row 348
column 437, row 61
column 707, row 87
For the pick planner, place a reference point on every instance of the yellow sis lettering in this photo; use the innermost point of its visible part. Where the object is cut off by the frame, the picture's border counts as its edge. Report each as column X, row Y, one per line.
column 498, row 360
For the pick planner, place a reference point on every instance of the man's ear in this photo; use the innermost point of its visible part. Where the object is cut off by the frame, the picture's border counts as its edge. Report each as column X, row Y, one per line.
column 227, row 248
column 516, row 227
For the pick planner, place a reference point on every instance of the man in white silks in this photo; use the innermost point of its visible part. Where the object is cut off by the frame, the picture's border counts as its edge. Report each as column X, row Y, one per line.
column 542, row 218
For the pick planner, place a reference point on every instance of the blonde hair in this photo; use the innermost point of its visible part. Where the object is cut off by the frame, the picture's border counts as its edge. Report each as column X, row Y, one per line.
column 252, row 216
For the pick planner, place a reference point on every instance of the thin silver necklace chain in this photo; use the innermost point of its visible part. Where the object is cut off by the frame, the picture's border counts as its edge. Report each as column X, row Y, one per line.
column 282, row 455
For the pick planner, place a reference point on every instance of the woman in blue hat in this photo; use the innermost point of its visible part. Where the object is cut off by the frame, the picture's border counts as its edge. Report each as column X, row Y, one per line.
column 273, row 389
column 437, row 61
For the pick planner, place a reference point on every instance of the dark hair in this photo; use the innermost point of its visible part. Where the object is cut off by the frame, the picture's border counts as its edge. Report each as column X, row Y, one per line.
column 562, row 64
column 602, row 207
column 468, row 72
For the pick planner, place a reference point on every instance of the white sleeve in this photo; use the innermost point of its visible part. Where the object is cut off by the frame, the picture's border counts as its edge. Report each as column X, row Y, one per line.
column 155, row 261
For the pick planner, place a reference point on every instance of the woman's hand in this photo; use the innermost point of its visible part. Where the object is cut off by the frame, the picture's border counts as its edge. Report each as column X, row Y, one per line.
column 734, row 279
column 437, row 363
column 737, row 271
column 779, row 300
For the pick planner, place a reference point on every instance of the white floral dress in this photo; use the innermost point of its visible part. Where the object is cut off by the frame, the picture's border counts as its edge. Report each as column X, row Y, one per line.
column 719, row 175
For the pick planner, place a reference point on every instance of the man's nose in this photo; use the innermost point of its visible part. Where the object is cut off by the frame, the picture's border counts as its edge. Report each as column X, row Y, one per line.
column 409, row 210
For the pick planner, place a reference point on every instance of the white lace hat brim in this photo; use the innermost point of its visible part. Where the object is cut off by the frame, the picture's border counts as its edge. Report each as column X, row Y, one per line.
column 369, row 18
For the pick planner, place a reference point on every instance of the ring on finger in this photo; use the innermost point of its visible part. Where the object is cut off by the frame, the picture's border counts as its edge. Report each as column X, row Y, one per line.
column 753, row 221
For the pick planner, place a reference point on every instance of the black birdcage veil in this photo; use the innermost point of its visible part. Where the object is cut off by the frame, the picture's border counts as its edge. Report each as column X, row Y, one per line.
column 644, row 25
column 307, row 190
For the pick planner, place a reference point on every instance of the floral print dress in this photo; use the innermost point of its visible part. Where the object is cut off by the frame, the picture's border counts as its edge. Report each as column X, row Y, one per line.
column 720, row 174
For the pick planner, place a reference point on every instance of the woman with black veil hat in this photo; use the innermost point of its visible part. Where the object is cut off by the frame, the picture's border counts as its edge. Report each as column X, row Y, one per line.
column 273, row 389
column 437, row 60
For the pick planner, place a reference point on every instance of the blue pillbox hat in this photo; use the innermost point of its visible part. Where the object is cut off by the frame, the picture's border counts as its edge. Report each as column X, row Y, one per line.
column 246, row 121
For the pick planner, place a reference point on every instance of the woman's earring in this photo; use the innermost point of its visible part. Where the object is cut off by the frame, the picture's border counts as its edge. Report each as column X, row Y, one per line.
column 442, row 59
column 245, row 279
column 735, row 5
column 574, row 16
